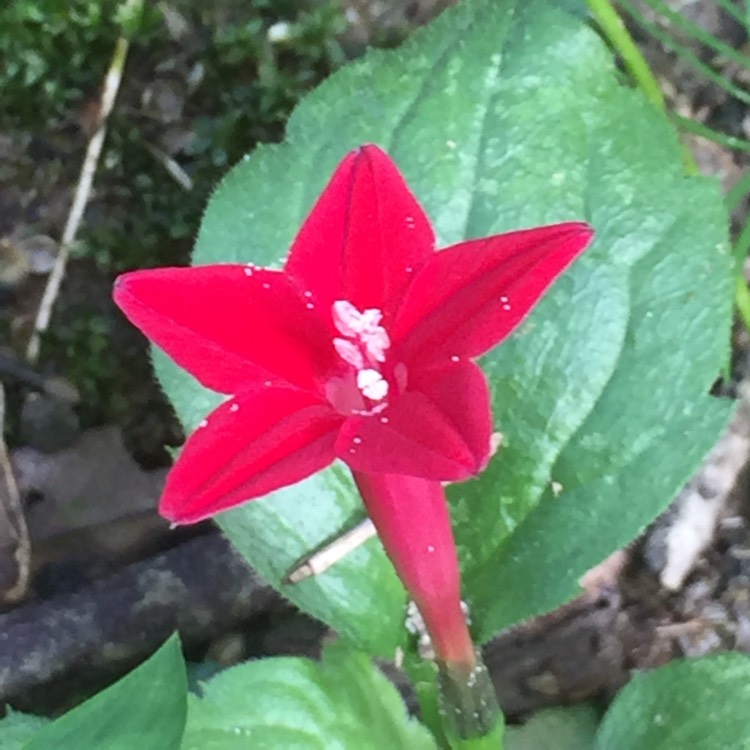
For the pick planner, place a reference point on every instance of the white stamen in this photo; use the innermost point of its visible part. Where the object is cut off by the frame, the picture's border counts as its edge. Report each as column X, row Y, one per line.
column 346, row 317
column 372, row 384
column 349, row 353
column 376, row 342
column 364, row 326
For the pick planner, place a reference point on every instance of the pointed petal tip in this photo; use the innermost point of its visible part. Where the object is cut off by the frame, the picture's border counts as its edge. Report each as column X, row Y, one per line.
column 584, row 230
column 179, row 513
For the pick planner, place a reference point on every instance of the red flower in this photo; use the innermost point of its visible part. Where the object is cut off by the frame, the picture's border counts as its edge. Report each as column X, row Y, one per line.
column 360, row 349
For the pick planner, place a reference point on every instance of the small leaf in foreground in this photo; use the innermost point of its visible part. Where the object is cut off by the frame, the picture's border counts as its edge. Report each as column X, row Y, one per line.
column 144, row 710
column 341, row 703
column 571, row 728
column 700, row 704
column 16, row 729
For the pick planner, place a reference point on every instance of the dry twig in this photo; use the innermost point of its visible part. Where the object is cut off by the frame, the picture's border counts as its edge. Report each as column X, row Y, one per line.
column 83, row 190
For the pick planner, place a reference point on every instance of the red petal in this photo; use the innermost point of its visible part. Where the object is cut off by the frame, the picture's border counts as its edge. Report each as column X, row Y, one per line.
column 439, row 429
column 251, row 445
column 229, row 325
column 471, row 296
column 411, row 516
column 363, row 236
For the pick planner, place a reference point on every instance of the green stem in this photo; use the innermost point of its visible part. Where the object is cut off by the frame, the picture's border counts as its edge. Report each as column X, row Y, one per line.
column 618, row 36
column 615, row 31
column 423, row 676
column 742, row 301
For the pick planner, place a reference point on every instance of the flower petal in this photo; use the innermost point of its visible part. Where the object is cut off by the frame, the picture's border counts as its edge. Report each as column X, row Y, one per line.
column 471, row 296
column 251, row 445
column 364, row 238
column 411, row 516
column 439, row 429
column 229, row 325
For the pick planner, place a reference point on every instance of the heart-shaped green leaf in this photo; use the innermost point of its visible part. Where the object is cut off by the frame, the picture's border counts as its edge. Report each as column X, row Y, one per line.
column 145, row 709
column 340, row 704
column 700, row 704
column 506, row 114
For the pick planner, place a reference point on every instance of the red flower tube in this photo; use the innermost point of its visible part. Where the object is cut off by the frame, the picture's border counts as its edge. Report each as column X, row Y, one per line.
column 360, row 349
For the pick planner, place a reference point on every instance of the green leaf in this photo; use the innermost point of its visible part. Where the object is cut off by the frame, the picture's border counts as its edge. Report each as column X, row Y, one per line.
column 16, row 729
column 559, row 728
column 144, row 710
column 505, row 114
column 700, row 704
column 339, row 704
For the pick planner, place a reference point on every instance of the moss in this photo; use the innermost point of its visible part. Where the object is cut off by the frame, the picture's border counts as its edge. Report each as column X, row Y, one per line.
column 139, row 215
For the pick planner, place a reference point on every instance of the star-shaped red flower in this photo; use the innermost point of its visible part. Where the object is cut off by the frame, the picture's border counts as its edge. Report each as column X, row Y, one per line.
column 360, row 349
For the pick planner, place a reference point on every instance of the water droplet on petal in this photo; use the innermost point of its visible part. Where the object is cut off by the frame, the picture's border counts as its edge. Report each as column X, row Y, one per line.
column 430, row 548
column 384, row 420
column 409, row 269
column 455, row 358
column 234, row 407
column 267, row 383
column 266, row 285
column 506, row 307
column 203, row 423
column 310, row 306
column 248, row 271
column 357, row 440
column 308, row 295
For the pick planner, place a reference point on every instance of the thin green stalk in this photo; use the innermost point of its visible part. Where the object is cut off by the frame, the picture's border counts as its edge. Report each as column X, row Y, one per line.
column 423, row 677
column 618, row 36
column 738, row 192
column 742, row 301
column 679, row 21
column 731, row 10
column 741, row 247
column 698, row 128
column 686, row 54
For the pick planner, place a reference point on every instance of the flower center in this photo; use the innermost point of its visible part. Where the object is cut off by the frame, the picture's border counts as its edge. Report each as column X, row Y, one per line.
column 362, row 345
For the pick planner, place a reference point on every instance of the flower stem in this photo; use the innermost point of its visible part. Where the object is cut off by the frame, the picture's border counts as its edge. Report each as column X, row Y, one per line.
column 614, row 30
column 413, row 523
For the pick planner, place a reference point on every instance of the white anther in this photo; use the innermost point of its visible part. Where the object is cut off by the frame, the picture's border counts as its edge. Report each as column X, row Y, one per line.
column 372, row 384
column 349, row 353
column 377, row 343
